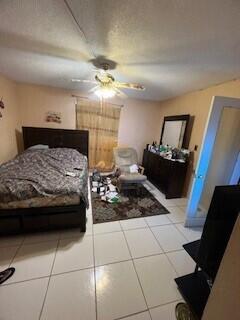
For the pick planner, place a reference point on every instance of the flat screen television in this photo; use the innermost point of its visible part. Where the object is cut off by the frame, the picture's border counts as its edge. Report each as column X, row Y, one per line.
column 221, row 217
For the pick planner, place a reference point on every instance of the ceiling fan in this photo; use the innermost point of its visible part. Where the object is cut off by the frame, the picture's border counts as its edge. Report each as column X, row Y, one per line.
column 105, row 84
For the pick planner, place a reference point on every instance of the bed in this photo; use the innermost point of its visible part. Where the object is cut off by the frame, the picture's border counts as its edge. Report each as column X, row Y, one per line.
column 60, row 209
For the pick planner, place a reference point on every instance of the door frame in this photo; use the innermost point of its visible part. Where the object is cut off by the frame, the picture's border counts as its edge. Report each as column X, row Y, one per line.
column 236, row 172
column 218, row 103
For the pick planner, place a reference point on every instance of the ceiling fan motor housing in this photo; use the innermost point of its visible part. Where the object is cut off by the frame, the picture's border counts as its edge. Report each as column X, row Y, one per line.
column 105, row 78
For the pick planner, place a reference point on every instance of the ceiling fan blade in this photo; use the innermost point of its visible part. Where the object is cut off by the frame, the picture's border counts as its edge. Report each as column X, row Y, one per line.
column 84, row 81
column 120, row 93
column 37, row 47
column 98, row 71
column 134, row 86
column 93, row 89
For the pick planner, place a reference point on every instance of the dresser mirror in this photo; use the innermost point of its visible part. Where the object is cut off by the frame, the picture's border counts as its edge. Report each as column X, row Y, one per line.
column 174, row 131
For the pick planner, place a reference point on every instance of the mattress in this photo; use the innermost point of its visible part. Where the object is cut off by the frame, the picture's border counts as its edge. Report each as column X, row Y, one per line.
column 52, row 201
column 42, row 178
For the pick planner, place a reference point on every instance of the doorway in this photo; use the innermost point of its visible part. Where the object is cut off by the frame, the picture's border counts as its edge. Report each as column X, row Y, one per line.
column 218, row 162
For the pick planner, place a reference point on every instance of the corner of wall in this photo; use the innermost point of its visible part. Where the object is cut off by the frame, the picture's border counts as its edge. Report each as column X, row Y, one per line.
column 10, row 121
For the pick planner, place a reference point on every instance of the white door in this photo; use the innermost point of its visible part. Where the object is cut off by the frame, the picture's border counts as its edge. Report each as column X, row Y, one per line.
column 214, row 117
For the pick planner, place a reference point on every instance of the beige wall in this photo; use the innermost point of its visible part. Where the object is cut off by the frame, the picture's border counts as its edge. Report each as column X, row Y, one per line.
column 197, row 104
column 10, row 121
column 225, row 153
column 35, row 101
column 223, row 302
column 138, row 126
column 140, row 122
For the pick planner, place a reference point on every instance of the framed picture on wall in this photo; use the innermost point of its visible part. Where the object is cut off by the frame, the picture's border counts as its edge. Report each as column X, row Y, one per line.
column 53, row 117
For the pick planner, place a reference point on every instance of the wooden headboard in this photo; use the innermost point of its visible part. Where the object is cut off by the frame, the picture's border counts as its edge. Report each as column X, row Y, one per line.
column 56, row 138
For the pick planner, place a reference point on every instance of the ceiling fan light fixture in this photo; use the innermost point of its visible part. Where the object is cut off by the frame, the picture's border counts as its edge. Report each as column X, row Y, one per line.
column 105, row 93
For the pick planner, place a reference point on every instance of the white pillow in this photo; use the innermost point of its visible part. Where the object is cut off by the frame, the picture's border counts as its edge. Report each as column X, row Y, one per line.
column 39, row 147
column 133, row 168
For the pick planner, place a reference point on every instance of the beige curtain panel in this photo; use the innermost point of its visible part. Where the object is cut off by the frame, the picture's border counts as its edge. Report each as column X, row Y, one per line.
column 101, row 119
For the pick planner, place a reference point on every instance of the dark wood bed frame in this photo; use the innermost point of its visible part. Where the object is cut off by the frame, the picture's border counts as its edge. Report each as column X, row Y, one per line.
column 13, row 221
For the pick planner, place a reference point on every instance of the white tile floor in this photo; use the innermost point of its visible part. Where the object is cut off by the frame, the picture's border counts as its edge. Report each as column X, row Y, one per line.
column 116, row 270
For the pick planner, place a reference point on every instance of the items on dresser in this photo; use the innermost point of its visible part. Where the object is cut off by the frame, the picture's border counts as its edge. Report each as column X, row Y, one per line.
column 166, row 174
column 169, row 152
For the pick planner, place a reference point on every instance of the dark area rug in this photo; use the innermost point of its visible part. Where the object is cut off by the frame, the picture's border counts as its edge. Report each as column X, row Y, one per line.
column 132, row 204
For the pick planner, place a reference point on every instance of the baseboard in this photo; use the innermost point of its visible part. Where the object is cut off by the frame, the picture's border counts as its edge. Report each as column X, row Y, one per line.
column 195, row 222
column 201, row 211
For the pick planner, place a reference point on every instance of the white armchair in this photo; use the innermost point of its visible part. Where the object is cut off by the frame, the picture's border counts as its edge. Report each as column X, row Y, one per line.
column 124, row 159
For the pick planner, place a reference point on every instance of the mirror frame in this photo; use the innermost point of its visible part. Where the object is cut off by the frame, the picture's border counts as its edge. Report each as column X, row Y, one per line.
column 183, row 117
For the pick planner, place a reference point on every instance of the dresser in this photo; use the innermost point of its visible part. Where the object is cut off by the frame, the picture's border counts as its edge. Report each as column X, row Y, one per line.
column 167, row 175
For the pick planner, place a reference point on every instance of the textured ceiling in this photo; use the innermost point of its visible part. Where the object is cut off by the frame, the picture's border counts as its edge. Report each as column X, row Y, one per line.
column 170, row 46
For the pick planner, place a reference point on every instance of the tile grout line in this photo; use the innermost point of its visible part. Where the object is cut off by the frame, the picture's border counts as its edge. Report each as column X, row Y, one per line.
column 70, row 271
column 18, row 249
column 157, row 254
column 165, row 304
column 93, row 247
column 141, row 288
column 94, row 266
column 73, row 237
column 166, row 254
column 181, row 232
column 181, row 208
column 52, row 274
column 157, row 239
column 95, row 278
column 188, row 241
column 88, row 268
column 94, row 260
column 132, row 259
column 177, row 274
column 177, row 230
column 10, row 246
column 158, row 215
column 111, row 263
column 160, row 225
column 135, row 228
column 45, row 296
column 133, row 314
column 157, row 306
column 41, row 241
column 21, row 281
column 136, row 273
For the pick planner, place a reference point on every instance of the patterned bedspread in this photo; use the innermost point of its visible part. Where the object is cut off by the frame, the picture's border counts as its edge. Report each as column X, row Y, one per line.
column 48, row 172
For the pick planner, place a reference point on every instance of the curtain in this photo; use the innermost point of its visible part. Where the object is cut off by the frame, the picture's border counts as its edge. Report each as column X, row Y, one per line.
column 101, row 119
